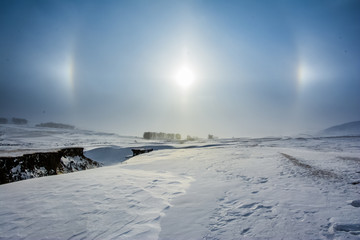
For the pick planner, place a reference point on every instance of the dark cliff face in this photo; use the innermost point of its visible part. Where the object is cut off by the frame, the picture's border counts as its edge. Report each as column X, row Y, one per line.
column 44, row 164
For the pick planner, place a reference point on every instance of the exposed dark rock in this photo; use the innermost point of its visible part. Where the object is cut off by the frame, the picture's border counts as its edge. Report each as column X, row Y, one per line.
column 44, row 164
column 355, row 203
column 356, row 182
column 137, row 151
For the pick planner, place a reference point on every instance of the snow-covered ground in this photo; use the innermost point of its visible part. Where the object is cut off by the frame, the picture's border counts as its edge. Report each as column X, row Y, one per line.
column 16, row 140
column 277, row 188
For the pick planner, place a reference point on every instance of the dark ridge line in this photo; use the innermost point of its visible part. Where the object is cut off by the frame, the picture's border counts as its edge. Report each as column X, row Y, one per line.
column 205, row 146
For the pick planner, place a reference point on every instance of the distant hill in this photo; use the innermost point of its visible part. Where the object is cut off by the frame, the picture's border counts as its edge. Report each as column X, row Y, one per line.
column 346, row 129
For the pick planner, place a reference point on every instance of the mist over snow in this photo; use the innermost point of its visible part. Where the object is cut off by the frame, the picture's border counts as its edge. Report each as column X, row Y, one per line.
column 233, row 69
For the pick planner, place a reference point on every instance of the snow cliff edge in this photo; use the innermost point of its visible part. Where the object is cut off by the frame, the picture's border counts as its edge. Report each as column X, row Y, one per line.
column 44, row 164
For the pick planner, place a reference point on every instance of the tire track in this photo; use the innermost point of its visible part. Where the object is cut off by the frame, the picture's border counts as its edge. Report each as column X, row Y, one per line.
column 313, row 171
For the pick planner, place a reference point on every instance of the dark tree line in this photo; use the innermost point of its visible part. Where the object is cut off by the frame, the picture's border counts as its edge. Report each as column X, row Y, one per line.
column 19, row 121
column 161, row 136
column 55, row 125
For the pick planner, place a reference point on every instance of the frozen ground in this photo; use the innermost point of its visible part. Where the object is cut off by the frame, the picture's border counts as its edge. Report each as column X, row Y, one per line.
column 277, row 188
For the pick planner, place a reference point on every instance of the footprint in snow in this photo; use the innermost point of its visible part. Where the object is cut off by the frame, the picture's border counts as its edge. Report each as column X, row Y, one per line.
column 177, row 193
column 261, row 180
column 245, row 231
column 250, row 205
column 245, row 178
column 351, row 228
column 174, row 182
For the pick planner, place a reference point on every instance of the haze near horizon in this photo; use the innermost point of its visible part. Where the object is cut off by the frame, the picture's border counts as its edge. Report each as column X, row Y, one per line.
column 229, row 68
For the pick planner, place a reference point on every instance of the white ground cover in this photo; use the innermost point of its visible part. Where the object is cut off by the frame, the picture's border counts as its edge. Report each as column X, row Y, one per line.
column 247, row 188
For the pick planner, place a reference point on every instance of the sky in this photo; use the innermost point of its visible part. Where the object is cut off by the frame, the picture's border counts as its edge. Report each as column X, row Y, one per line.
column 230, row 68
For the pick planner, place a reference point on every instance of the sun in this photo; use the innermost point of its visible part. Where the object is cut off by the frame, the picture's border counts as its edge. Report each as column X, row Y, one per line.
column 184, row 77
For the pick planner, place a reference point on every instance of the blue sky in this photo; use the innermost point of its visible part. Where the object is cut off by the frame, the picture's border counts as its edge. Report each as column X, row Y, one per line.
column 257, row 67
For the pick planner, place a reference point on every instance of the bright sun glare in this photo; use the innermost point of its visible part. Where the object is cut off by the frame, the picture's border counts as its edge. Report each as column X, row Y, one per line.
column 184, row 77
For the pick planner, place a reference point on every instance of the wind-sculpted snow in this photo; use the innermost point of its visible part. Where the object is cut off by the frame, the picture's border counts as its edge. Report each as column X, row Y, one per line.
column 269, row 188
column 255, row 192
column 108, row 203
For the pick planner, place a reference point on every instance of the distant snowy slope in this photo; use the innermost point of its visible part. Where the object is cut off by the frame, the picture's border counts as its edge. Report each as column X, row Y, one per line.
column 346, row 129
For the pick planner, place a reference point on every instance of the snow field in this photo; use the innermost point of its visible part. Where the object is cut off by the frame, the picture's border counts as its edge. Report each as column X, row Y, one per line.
column 255, row 192
column 104, row 203
column 261, row 188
